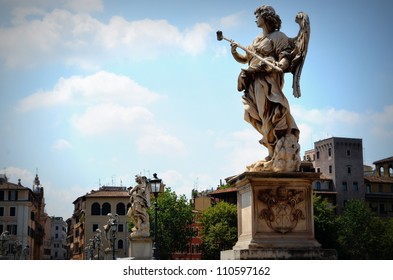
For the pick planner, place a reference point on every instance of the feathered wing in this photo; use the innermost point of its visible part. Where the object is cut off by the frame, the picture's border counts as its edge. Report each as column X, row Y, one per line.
column 300, row 46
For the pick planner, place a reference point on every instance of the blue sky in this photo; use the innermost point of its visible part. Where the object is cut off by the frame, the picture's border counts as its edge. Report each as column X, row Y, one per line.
column 94, row 92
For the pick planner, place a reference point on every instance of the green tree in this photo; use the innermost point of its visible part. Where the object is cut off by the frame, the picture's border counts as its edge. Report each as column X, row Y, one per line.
column 387, row 240
column 360, row 232
column 174, row 219
column 325, row 223
column 219, row 229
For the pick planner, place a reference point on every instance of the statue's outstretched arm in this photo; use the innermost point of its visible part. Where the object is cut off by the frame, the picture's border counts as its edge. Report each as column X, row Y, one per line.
column 241, row 58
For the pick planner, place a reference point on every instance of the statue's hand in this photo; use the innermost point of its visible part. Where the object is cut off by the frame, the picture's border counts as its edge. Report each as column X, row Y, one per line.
column 233, row 47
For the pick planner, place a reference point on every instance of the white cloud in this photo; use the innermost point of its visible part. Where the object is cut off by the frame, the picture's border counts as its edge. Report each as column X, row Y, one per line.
column 381, row 123
column 106, row 118
column 326, row 116
column 375, row 128
column 61, row 144
column 85, row 5
column 194, row 40
column 63, row 36
column 243, row 148
column 15, row 173
column 105, row 103
column 101, row 87
column 155, row 141
column 231, row 21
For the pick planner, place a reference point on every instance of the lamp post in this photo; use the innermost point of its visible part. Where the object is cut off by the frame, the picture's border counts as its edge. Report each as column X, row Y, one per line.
column 156, row 187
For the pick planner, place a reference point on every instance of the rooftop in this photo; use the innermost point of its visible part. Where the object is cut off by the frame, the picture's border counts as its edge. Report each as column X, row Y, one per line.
column 385, row 160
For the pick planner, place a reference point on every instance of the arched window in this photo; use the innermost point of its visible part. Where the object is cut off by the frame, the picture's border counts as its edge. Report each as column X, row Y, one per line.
column 95, row 209
column 121, row 209
column 120, row 244
column 106, row 208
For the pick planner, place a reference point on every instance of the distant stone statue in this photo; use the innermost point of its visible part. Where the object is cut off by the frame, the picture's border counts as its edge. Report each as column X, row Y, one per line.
column 4, row 240
column 270, row 55
column 140, row 202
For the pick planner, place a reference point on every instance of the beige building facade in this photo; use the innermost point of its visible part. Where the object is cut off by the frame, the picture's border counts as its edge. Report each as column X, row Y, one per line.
column 22, row 215
column 91, row 213
column 379, row 188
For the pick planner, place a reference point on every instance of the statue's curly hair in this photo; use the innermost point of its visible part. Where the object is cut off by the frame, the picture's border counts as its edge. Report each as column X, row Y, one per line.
column 269, row 15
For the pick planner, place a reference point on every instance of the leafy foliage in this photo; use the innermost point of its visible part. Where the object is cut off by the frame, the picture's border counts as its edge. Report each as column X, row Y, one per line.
column 360, row 231
column 219, row 229
column 325, row 223
column 173, row 223
column 357, row 234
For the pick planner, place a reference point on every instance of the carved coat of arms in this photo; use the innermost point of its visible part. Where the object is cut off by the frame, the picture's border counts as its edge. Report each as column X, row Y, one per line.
column 281, row 208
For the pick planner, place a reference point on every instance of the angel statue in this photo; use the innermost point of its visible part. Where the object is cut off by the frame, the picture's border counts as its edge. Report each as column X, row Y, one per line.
column 269, row 57
column 140, row 202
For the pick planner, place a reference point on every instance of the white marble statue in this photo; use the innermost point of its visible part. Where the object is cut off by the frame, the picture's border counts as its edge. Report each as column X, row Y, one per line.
column 140, row 202
column 269, row 57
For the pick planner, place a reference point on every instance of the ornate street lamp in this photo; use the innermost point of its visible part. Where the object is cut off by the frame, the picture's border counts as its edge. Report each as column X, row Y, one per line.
column 156, row 187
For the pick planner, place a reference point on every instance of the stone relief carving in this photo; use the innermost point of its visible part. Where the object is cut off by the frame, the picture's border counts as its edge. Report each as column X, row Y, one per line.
column 280, row 211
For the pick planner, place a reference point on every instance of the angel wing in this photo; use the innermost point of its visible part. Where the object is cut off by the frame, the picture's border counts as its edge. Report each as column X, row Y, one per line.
column 299, row 52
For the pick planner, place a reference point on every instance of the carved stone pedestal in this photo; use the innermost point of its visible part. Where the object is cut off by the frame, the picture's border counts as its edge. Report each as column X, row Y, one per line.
column 141, row 248
column 275, row 217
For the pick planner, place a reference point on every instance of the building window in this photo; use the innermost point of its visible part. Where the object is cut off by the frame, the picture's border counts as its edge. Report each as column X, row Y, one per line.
column 368, row 188
column 120, row 209
column 95, row 227
column 345, row 186
column 348, row 153
column 330, row 152
column 120, row 227
column 355, row 186
column 318, row 185
column 12, row 229
column 349, row 169
column 12, row 211
column 12, row 195
column 95, row 209
column 32, row 215
column 317, row 154
column 1, row 195
column 106, row 209
column 330, row 169
column 380, row 188
column 1, row 211
column 120, row 244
